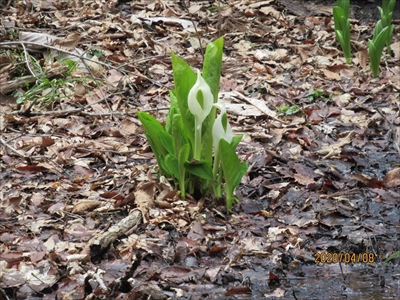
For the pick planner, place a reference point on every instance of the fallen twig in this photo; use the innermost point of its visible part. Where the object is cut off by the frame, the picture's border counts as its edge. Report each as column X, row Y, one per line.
column 102, row 243
column 4, row 142
column 11, row 44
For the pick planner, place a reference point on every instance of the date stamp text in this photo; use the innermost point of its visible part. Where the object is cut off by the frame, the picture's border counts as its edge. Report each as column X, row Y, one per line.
column 343, row 257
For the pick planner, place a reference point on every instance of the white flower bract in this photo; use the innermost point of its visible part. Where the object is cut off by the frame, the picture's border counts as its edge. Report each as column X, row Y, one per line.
column 200, row 100
column 221, row 128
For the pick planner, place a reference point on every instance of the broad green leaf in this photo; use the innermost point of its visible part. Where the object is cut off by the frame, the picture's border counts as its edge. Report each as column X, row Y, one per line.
column 386, row 20
column 343, row 24
column 168, row 142
column 347, row 44
column 375, row 50
column 380, row 40
column 211, row 73
column 233, row 169
column 345, row 5
column 378, row 29
column 388, row 6
column 342, row 27
column 201, row 169
column 173, row 110
column 164, row 169
column 339, row 37
column 391, row 5
column 184, row 79
column 381, row 12
column 236, row 140
column 179, row 133
column 171, row 163
column 343, row 34
column 338, row 13
column 159, row 158
column 242, row 171
column 153, row 129
column 212, row 65
column 183, row 156
column 374, row 58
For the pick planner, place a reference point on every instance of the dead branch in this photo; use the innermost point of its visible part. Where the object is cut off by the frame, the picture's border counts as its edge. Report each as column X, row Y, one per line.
column 12, row 148
column 80, row 56
column 10, row 86
column 103, row 242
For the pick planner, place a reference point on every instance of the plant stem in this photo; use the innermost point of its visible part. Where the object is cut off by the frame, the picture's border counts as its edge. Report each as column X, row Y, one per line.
column 197, row 140
column 217, row 185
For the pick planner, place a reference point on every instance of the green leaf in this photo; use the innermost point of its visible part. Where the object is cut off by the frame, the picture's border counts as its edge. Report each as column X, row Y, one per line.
column 389, row 39
column 342, row 27
column 201, row 169
column 183, row 156
column 338, row 14
column 345, row 5
column 381, row 12
column 171, row 163
column 374, row 60
column 233, row 169
column 380, row 40
column 392, row 256
column 211, row 73
column 184, row 79
column 168, row 142
column 212, row 65
column 340, row 38
column 388, row 6
column 179, row 134
column 160, row 159
column 378, row 29
column 391, row 5
column 153, row 129
column 343, row 24
column 173, row 110
column 236, row 140
column 347, row 44
column 375, row 50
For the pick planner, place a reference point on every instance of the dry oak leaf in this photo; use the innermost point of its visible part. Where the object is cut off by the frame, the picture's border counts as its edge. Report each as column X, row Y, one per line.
column 331, row 75
column 335, row 149
column 392, row 178
column 84, row 206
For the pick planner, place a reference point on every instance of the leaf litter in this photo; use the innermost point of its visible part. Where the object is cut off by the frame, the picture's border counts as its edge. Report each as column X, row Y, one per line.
column 83, row 214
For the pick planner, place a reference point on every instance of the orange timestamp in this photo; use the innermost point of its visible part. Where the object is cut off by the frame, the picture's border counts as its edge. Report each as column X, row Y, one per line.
column 343, row 257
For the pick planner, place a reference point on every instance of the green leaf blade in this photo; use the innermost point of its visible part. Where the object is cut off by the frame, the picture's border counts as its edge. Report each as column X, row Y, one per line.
column 233, row 169
column 201, row 169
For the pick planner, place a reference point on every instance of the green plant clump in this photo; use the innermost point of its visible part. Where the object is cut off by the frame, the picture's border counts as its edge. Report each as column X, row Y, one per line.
column 392, row 256
column 386, row 12
column 196, row 149
column 287, row 109
column 318, row 94
column 45, row 90
column 342, row 26
column 382, row 35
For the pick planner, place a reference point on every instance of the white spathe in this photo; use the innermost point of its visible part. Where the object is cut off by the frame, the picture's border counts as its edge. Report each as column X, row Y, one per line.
column 221, row 128
column 200, row 92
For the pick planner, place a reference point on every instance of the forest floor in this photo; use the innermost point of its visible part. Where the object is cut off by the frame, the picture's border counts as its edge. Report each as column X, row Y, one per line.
column 83, row 214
